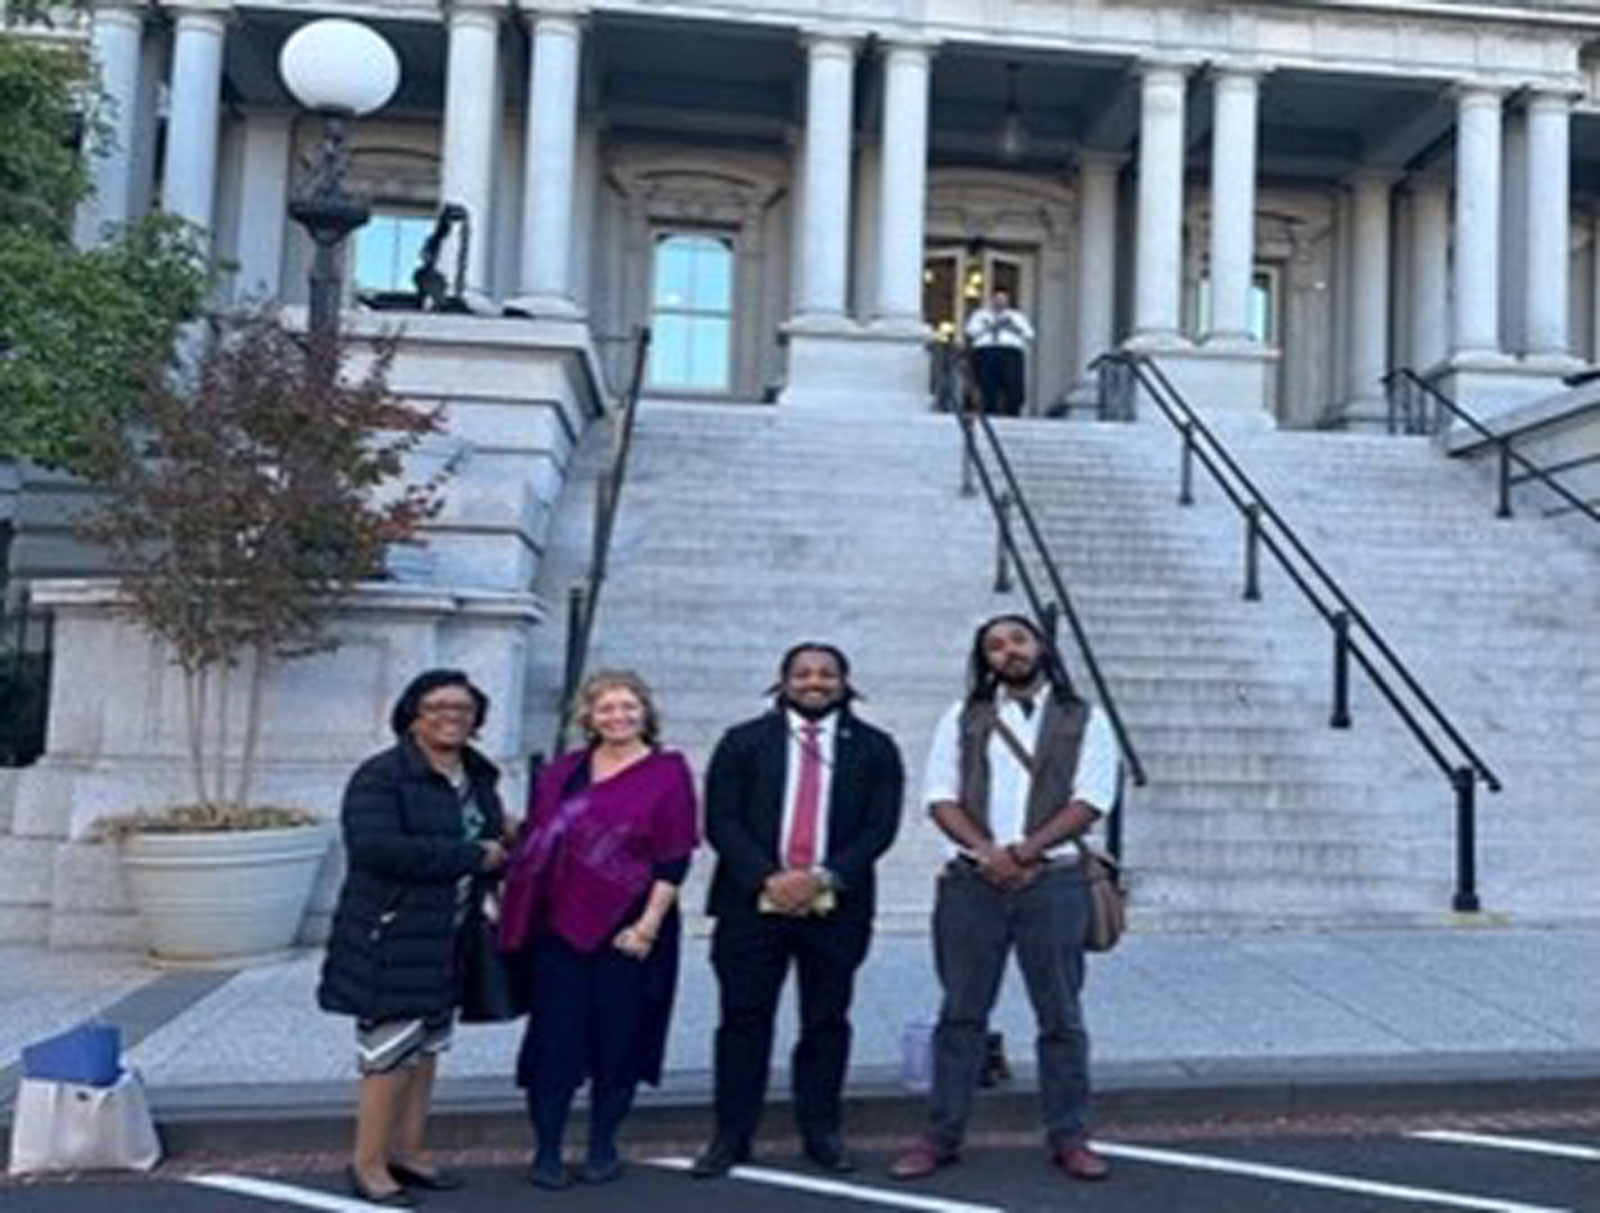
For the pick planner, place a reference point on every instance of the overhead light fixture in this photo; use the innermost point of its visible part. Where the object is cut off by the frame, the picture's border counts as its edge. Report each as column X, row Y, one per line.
column 1013, row 133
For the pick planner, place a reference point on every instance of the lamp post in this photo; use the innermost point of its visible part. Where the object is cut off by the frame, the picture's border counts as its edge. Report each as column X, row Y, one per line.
column 341, row 70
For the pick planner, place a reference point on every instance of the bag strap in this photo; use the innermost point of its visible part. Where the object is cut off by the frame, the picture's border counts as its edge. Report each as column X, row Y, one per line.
column 1014, row 744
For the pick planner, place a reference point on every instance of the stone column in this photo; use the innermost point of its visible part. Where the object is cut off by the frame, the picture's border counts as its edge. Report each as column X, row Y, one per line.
column 1233, row 205
column 903, row 181
column 1430, row 273
column 1159, row 274
column 264, row 206
column 825, row 234
column 1475, row 301
column 1097, row 254
column 1548, row 219
column 551, row 160
column 1369, row 317
column 472, row 97
column 115, row 43
column 189, row 183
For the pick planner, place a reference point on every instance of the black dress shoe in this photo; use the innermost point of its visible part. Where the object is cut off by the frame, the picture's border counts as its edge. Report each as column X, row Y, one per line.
column 398, row 1199
column 723, row 1154
column 436, row 1180
column 829, row 1153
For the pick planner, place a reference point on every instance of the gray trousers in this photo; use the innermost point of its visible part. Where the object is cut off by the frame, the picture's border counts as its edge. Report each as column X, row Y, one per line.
column 975, row 927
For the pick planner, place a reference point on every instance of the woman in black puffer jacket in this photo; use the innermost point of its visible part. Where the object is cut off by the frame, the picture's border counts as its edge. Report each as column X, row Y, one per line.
column 423, row 835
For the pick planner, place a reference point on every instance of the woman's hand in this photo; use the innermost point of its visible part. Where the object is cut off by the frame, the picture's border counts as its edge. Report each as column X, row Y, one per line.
column 635, row 940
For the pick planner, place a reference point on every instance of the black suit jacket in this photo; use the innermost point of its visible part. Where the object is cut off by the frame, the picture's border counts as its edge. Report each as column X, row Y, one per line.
column 744, row 809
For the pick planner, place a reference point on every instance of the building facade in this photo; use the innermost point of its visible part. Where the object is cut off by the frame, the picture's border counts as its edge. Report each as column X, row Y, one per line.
column 1285, row 199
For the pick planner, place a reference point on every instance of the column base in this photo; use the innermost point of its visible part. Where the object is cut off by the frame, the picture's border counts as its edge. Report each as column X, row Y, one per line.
column 543, row 307
column 837, row 364
column 1223, row 381
column 1489, row 386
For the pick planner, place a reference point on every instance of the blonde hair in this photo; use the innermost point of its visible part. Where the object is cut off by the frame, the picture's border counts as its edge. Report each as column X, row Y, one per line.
column 601, row 681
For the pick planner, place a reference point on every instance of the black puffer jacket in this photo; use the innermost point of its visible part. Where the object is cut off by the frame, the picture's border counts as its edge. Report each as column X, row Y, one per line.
column 391, row 954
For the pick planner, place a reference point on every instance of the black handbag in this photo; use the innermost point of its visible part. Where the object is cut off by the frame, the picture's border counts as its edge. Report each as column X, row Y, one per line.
column 488, row 981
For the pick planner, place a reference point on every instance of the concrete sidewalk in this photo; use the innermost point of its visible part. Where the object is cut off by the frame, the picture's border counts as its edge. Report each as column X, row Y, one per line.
column 1182, row 1025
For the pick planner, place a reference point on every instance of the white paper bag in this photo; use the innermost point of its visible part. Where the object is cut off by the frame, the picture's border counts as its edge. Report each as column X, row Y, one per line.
column 66, row 1126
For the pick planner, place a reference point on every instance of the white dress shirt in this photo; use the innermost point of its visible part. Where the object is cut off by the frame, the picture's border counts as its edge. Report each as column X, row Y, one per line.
column 1010, row 328
column 827, row 731
column 1094, row 782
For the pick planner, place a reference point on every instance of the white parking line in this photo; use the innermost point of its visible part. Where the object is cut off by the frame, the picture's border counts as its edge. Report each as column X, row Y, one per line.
column 306, row 1198
column 832, row 1187
column 1320, row 1179
column 1528, row 1145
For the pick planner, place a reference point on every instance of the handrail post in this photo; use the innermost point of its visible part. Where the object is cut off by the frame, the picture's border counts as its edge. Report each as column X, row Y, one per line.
column 577, row 624
column 1466, row 896
column 1002, row 568
column 1392, row 393
column 1341, row 671
column 1186, row 466
column 602, row 524
column 1504, row 510
column 1252, row 552
column 969, row 487
column 1051, row 623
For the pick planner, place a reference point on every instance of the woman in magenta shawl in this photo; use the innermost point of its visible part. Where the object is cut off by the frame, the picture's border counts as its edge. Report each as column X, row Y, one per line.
column 591, row 898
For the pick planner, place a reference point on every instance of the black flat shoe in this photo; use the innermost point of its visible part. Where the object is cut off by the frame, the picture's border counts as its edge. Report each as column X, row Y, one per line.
column 723, row 1154
column 601, row 1172
column 398, row 1199
column 437, row 1180
column 829, row 1153
column 552, row 1177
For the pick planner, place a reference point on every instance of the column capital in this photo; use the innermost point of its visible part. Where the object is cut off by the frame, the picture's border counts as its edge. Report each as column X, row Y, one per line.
column 909, row 42
column 1237, row 71
column 825, row 40
column 1094, row 159
column 219, row 9
column 1154, row 67
column 554, row 14
column 1551, row 98
column 480, row 10
column 1373, row 176
column 1479, row 92
column 126, row 11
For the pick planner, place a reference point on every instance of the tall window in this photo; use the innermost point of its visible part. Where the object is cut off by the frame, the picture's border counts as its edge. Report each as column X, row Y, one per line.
column 691, row 346
column 1262, row 317
column 387, row 250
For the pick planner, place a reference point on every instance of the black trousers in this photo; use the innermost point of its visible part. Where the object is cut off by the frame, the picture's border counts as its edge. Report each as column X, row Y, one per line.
column 999, row 369
column 751, row 954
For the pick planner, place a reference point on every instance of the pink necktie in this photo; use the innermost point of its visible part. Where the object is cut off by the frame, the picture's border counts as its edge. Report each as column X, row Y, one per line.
column 802, row 852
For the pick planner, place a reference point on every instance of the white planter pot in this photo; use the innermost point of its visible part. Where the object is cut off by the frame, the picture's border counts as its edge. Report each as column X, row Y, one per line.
column 225, row 899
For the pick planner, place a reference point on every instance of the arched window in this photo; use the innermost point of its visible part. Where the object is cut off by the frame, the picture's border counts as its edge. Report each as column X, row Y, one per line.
column 691, row 312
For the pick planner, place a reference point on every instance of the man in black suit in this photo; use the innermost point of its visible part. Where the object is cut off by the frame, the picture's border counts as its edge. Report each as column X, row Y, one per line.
column 800, row 803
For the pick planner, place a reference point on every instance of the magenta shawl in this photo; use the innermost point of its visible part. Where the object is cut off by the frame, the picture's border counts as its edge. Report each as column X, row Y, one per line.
column 586, row 855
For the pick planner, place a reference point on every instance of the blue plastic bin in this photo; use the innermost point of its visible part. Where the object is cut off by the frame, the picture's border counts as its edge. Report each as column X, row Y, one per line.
column 89, row 1054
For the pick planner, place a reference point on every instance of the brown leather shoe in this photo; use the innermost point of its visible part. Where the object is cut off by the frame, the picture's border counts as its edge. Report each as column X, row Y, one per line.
column 921, row 1161
column 1080, row 1162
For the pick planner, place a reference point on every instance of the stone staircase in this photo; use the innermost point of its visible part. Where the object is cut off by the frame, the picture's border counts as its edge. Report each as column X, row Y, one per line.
column 744, row 529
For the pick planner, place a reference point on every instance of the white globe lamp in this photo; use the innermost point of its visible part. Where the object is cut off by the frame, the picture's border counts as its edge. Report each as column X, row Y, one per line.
column 339, row 66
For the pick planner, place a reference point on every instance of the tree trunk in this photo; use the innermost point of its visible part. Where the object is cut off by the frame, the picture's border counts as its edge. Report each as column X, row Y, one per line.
column 252, row 724
column 194, row 704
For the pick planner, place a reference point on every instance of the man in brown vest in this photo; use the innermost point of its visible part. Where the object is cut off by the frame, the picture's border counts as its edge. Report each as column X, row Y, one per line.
column 1019, row 771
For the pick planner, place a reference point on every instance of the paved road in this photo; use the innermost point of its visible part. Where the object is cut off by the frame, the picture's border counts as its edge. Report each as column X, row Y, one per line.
column 1523, row 1170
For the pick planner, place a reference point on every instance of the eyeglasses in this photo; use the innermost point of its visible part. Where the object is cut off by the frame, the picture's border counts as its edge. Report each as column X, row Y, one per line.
column 446, row 709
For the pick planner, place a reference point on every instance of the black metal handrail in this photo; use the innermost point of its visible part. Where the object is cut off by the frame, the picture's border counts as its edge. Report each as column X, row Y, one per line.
column 583, row 599
column 1402, row 385
column 951, row 397
column 1353, row 632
